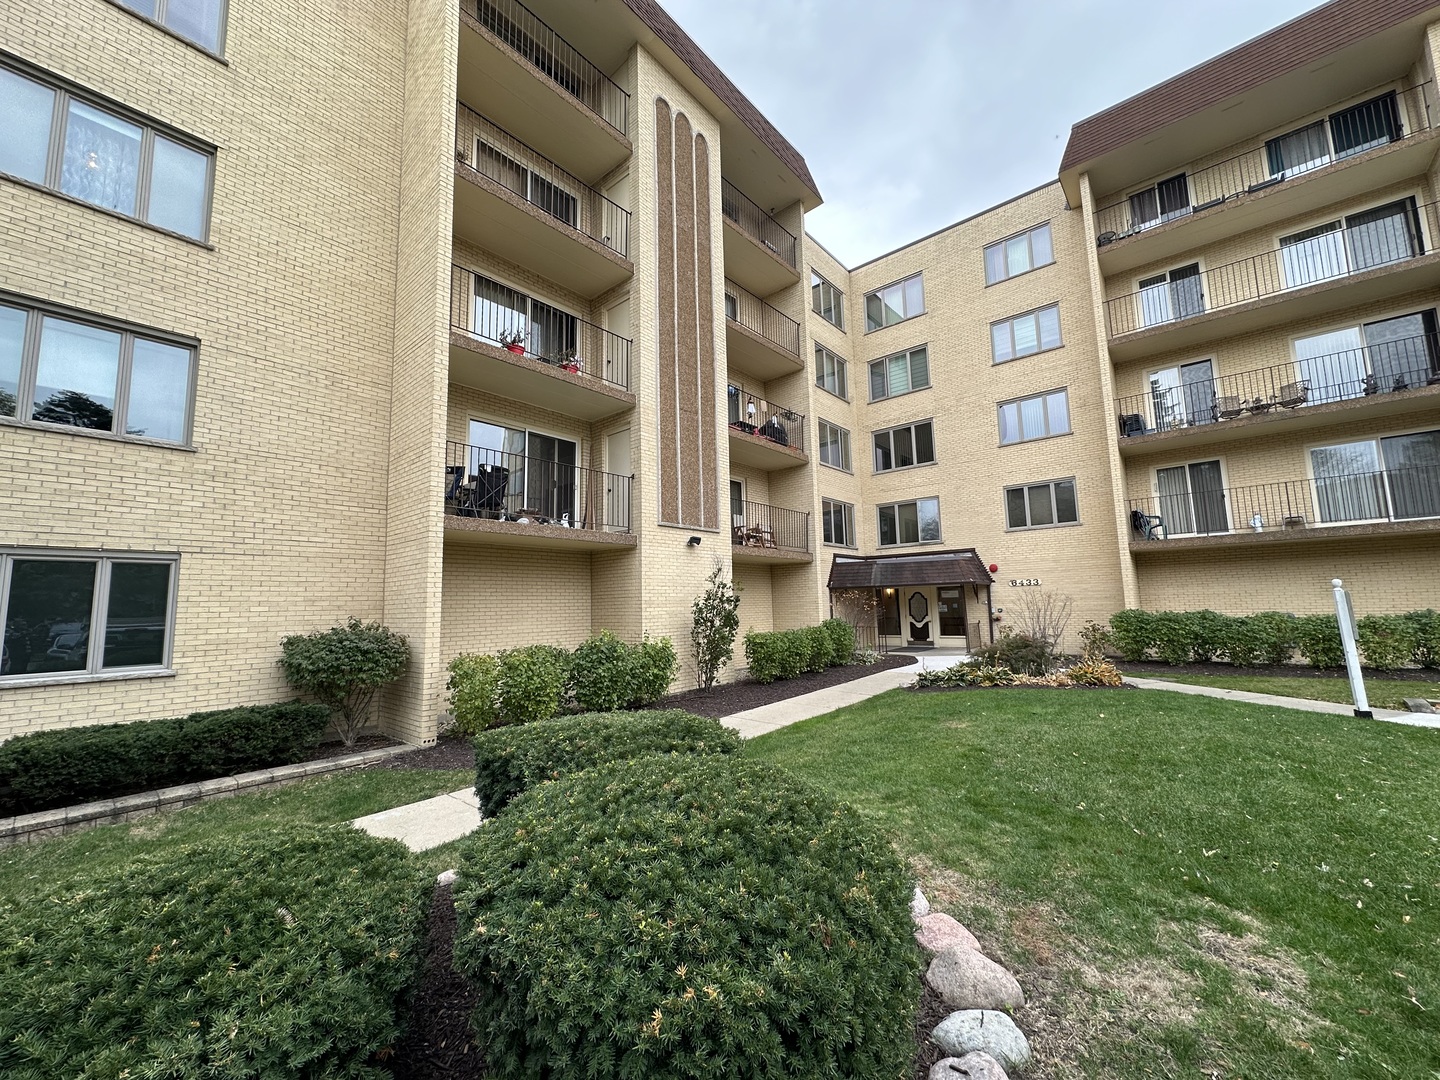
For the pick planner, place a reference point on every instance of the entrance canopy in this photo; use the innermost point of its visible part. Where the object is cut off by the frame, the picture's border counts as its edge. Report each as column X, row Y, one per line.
column 959, row 567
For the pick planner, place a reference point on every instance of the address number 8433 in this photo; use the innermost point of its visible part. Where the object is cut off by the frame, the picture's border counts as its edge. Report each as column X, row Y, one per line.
column 1016, row 582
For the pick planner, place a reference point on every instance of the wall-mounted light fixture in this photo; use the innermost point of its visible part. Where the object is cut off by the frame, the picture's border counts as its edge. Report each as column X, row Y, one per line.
column 694, row 541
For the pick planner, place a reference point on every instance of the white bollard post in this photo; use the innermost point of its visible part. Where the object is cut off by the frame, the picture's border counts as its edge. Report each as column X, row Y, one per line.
column 1345, row 614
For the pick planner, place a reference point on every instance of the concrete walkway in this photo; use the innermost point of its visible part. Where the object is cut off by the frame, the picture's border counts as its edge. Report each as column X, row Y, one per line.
column 1302, row 704
column 430, row 823
column 763, row 718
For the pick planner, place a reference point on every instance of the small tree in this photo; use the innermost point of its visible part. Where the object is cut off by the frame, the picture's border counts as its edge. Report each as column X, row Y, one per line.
column 343, row 667
column 1042, row 615
column 715, row 620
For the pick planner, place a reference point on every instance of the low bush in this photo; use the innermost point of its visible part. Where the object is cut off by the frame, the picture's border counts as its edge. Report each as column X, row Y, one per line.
column 1207, row 634
column 967, row 674
column 269, row 954
column 1134, row 633
column 1174, row 637
column 1242, row 641
column 815, row 640
column 1094, row 671
column 531, row 683
column 1317, row 637
column 1277, row 629
column 1386, row 642
column 712, row 918
column 472, row 685
column 775, row 654
column 46, row 769
column 1425, row 625
column 1094, row 640
column 656, row 666
column 509, row 760
column 842, row 641
column 1021, row 653
column 344, row 667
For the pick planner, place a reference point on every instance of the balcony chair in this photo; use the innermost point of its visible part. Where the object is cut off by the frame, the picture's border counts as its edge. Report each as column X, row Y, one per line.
column 488, row 488
column 1293, row 395
column 1132, row 424
column 1147, row 526
column 775, row 431
column 454, row 477
column 1228, row 408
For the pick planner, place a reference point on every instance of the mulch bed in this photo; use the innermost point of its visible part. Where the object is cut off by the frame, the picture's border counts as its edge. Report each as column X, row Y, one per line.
column 730, row 698
column 1147, row 668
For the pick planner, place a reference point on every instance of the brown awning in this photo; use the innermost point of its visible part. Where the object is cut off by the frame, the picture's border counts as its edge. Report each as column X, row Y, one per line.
column 882, row 571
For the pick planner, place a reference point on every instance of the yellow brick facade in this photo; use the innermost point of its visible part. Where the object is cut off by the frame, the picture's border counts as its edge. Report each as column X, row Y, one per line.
column 330, row 393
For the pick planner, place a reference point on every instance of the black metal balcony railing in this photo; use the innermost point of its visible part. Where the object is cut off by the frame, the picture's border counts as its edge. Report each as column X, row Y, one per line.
column 505, row 318
column 756, row 223
column 759, row 525
column 528, row 490
column 1355, row 498
column 494, row 153
column 753, row 414
column 1378, row 123
column 1365, row 242
column 1387, row 367
column 554, row 57
column 756, row 315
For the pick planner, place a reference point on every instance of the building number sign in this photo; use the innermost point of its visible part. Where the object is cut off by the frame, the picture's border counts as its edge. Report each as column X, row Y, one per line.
column 1017, row 582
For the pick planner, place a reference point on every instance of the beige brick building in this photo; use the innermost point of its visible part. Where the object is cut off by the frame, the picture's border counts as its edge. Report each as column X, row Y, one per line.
column 500, row 323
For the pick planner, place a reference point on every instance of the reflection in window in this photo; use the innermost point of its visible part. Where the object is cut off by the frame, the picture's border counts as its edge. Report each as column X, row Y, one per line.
column 75, row 379
column 139, row 599
column 195, row 20
column 1034, row 417
column 916, row 522
column 47, row 616
column 102, row 158
column 895, row 303
column 25, row 111
column 12, row 344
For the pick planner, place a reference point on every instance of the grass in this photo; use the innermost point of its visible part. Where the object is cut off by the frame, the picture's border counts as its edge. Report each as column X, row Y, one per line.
column 1186, row 887
column 27, row 868
column 1383, row 693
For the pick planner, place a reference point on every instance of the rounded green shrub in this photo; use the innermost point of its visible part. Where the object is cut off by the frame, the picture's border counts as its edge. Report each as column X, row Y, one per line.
column 530, row 683
column 1133, row 632
column 1317, row 637
column 510, row 759
column 286, row 953
column 1386, row 642
column 656, row 666
column 1207, row 635
column 1020, row 653
column 775, row 654
column 472, row 685
column 1242, row 640
column 345, row 667
column 1425, row 625
column 603, row 673
column 710, row 917
column 1174, row 636
column 815, row 640
column 1277, row 632
column 842, row 641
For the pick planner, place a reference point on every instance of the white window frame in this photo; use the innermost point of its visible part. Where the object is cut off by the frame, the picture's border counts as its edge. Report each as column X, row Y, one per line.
column 1054, row 509
column 66, row 92
column 99, row 604
column 1003, row 243
column 842, row 439
column 1045, row 409
column 36, row 311
column 874, row 459
column 818, row 285
column 840, row 371
column 847, row 514
column 895, row 506
column 902, row 286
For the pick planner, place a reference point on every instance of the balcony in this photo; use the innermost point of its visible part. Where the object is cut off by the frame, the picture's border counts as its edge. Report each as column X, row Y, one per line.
column 1364, row 148
column 522, row 206
column 1393, row 502
column 517, row 347
column 764, row 434
column 512, row 500
column 760, row 253
column 761, row 533
column 529, row 79
column 760, row 340
column 1384, row 379
column 1366, row 256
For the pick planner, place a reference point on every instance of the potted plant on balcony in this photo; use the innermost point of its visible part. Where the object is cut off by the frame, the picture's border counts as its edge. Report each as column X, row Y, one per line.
column 570, row 362
column 513, row 340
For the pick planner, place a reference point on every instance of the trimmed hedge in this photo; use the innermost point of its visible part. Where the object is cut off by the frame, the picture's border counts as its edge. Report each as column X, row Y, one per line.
column 1182, row 637
column 1386, row 641
column 1134, row 633
column 784, row 654
column 842, row 640
column 1317, row 637
column 46, row 769
column 286, row 953
column 712, row 917
column 509, row 760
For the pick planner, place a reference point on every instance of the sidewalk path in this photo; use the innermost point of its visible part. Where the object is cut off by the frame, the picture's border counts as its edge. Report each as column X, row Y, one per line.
column 1302, row 704
column 780, row 714
column 423, row 825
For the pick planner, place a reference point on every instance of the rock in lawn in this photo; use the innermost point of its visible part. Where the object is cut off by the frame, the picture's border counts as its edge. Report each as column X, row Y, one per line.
column 445, row 878
column 985, row 1031
column 1420, row 705
column 967, row 979
column 971, row 1067
column 937, row 931
column 919, row 906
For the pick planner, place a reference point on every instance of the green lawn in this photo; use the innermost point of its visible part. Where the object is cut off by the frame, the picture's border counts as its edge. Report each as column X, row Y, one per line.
column 1383, row 693
column 323, row 800
column 1186, row 887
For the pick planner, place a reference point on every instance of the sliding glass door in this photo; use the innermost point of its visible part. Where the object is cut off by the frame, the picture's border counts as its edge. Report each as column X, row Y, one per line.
column 1395, row 477
column 1192, row 498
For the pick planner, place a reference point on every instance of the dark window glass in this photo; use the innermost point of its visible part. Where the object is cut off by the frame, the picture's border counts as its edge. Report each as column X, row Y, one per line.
column 1015, row 508
column 1065, row 507
column 135, row 617
column 1041, row 512
column 47, row 618
column 1365, row 126
column 12, row 341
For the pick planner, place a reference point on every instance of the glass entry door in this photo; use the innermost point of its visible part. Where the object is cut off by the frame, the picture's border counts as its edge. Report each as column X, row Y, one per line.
column 950, row 609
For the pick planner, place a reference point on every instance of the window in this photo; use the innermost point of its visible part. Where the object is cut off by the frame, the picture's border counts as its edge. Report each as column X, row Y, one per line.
column 1175, row 294
column 53, row 138
column 894, row 303
column 85, row 615
column 1183, row 395
column 830, row 372
column 1381, row 357
column 838, row 522
column 1025, row 335
column 529, row 185
column 200, row 21
column 500, row 311
column 1377, row 237
column 834, row 446
column 1019, row 254
column 1167, row 200
column 899, row 374
column 1395, row 477
column 905, row 447
column 1192, row 499
column 92, row 375
column 916, row 522
column 827, row 301
column 1033, row 506
column 1348, row 132
column 513, row 471
column 1034, row 417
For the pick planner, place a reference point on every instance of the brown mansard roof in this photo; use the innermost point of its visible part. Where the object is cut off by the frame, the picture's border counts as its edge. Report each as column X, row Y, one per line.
column 668, row 30
column 1294, row 45
column 883, row 571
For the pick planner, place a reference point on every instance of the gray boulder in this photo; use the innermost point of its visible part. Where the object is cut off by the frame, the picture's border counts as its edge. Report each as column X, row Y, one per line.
column 985, row 1031
column 966, row 979
column 919, row 906
column 975, row 1066
column 937, row 931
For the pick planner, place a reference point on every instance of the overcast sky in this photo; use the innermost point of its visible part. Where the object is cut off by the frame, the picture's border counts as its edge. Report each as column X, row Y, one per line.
column 913, row 114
